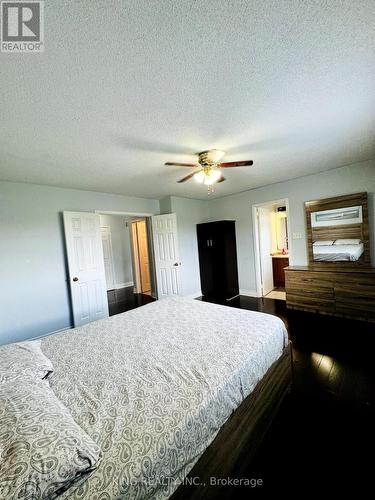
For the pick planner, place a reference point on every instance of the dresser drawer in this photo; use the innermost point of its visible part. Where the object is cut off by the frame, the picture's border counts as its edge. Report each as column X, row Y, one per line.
column 313, row 290
column 311, row 302
column 355, row 279
column 309, row 292
column 308, row 279
column 358, row 299
column 342, row 293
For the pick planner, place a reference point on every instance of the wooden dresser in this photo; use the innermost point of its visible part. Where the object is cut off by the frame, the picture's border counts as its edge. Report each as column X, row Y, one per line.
column 341, row 292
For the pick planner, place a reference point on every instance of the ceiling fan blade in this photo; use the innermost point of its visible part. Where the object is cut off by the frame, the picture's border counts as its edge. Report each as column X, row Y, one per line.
column 180, row 164
column 222, row 179
column 230, row 164
column 184, row 179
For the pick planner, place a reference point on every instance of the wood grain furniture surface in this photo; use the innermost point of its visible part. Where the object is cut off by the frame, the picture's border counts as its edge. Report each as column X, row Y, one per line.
column 342, row 292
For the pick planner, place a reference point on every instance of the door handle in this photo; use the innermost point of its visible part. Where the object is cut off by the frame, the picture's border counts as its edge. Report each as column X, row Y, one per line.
column 75, row 278
column 176, row 264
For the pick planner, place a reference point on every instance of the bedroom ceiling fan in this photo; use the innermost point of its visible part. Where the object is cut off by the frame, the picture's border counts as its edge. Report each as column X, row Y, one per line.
column 209, row 167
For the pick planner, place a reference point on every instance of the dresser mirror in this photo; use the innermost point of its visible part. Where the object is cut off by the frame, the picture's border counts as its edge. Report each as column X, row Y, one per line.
column 338, row 231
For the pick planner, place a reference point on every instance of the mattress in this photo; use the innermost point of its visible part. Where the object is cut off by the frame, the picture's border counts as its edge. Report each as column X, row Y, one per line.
column 153, row 386
column 338, row 252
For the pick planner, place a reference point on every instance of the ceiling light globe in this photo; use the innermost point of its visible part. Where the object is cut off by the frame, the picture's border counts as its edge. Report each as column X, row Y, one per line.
column 199, row 177
column 215, row 174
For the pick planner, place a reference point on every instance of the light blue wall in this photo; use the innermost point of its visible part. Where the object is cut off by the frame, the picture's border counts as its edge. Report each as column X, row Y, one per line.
column 166, row 205
column 336, row 182
column 34, row 297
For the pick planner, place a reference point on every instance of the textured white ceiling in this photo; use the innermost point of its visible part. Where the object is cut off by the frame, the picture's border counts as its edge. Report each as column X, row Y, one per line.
column 124, row 86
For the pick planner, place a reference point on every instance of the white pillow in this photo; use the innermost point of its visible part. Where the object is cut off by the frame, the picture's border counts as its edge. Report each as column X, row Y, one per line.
column 348, row 241
column 321, row 243
column 23, row 361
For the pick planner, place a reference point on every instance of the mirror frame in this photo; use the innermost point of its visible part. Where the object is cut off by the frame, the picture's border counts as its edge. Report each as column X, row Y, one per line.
column 349, row 200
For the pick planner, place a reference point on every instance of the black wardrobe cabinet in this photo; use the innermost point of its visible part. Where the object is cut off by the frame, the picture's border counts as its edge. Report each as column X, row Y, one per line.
column 218, row 259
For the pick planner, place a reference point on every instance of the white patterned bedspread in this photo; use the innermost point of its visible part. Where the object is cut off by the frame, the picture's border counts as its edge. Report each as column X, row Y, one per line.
column 154, row 385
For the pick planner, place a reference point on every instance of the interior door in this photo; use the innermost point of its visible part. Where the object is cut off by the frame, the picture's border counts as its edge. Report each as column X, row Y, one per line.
column 206, row 238
column 86, row 267
column 135, row 258
column 144, row 264
column 167, row 261
column 265, row 248
column 108, row 257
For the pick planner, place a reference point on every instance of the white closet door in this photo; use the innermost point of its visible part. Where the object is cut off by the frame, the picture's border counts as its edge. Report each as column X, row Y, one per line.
column 167, row 260
column 86, row 267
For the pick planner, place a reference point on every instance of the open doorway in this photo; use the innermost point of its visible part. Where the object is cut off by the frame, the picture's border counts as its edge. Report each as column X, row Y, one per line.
column 272, row 247
column 128, row 267
column 101, row 275
column 141, row 259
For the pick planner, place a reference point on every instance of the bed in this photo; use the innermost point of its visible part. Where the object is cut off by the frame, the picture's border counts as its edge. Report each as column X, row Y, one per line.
column 153, row 387
column 337, row 253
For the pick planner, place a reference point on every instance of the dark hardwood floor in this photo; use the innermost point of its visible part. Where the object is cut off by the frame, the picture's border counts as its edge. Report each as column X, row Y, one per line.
column 322, row 439
column 124, row 299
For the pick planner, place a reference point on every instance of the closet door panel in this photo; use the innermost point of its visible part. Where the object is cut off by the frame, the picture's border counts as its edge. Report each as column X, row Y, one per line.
column 218, row 259
column 205, row 249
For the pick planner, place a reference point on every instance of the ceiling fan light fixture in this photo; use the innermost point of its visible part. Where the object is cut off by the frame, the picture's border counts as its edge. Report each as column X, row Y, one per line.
column 208, row 176
column 215, row 174
column 208, row 181
column 199, row 177
column 210, row 168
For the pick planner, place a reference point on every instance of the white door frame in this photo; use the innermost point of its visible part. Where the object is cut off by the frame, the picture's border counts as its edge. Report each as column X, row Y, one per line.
column 258, row 271
column 126, row 214
column 141, row 215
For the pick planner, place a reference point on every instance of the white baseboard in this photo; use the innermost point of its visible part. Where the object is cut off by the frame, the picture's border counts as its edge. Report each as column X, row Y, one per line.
column 249, row 293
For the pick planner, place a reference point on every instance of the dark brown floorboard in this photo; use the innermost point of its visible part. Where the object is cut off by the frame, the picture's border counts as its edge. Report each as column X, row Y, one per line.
column 322, row 440
column 124, row 299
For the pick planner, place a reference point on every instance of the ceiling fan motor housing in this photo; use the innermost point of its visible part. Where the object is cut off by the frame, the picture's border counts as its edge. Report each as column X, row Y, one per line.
column 210, row 157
